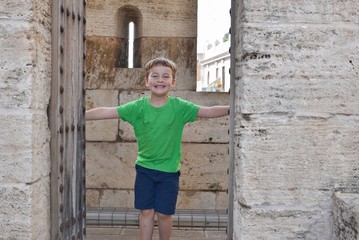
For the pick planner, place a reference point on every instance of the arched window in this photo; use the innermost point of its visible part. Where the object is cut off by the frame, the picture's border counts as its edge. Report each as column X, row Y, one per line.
column 129, row 30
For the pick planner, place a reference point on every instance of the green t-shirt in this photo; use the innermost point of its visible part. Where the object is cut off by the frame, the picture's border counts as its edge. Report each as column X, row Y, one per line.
column 159, row 131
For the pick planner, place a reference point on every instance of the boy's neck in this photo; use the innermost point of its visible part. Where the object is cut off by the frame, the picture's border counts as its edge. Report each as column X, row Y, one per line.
column 158, row 101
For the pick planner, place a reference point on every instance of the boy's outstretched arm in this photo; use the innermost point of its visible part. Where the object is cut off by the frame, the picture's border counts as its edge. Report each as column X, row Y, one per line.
column 213, row 112
column 102, row 113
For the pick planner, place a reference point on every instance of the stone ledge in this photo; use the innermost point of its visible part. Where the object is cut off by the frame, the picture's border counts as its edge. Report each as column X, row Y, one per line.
column 346, row 216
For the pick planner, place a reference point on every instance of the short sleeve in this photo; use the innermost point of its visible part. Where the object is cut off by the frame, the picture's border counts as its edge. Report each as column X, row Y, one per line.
column 189, row 110
column 129, row 112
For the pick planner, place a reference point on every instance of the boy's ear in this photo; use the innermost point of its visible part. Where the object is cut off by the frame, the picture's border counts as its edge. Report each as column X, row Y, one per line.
column 146, row 81
column 173, row 81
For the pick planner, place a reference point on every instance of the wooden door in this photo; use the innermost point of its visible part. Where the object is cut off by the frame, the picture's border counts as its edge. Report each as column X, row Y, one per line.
column 67, row 123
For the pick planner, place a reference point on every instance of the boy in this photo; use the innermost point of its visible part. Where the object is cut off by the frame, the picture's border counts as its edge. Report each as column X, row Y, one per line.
column 158, row 121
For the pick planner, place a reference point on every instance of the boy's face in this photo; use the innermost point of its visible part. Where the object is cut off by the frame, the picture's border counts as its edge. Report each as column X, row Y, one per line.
column 160, row 80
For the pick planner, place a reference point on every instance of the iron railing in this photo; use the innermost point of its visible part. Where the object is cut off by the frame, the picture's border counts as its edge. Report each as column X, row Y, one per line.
column 182, row 219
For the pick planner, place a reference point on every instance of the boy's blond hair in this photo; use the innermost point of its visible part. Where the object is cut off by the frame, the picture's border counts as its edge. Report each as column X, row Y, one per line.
column 161, row 61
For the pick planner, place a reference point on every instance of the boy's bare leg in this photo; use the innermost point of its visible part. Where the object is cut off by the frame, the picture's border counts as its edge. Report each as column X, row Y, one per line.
column 164, row 226
column 146, row 224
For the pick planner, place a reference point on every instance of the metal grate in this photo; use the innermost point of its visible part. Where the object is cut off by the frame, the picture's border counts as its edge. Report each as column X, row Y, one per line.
column 182, row 219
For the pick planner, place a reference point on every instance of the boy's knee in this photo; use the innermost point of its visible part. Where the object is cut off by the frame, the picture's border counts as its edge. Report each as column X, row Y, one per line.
column 149, row 213
column 163, row 216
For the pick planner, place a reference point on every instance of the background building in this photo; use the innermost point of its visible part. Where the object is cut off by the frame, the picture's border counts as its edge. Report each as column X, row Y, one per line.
column 213, row 66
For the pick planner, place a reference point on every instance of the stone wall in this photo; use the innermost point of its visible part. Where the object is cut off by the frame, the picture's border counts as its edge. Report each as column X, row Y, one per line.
column 25, row 77
column 297, row 103
column 169, row 30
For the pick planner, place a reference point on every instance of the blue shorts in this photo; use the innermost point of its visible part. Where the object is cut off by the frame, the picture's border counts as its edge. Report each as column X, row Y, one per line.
column 156, row 190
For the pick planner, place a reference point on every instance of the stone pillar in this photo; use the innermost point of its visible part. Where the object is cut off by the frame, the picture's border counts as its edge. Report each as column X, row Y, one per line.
column 25, row 77
column 297, row 132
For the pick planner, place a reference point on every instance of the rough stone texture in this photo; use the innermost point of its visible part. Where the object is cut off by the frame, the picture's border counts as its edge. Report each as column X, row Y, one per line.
column 346, row 216
column 217, row 200
column 110, row 165
column 296, row 116
column 25, row 76
column 15, row 217
column 281, row 223
column 176, row 18
column 117, row 198
column 104, row 54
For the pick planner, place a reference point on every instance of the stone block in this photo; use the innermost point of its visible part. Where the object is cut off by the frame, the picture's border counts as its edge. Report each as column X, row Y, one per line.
column 203, row 98
column 202, row 200
column 179, row 21
column 204, row 167
column 104, row 52
column 308, row 97
column 21, row 85
column 12, row 9
column 214, row 130
column 92, row 198
column 16, row 63
column 110, row 165
column 290, row 68
column 40, row 211
column 15, row 211
column 130, row 78
column 24, row 146
column 102, row 130
column 292, row 11
column 40, row 153
column 36, row 10
column 280, row 222
column 295, row 160
column 117, row 198
column 103, row 55
column 110, row 198
column 346, row 216
column 15, row 147
column 22, row 210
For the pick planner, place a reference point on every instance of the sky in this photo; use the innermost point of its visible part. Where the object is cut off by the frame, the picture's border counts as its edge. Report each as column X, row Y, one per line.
column 214, row 21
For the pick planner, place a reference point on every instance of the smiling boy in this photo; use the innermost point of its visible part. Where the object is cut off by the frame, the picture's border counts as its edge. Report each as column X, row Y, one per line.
column 158, row 122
